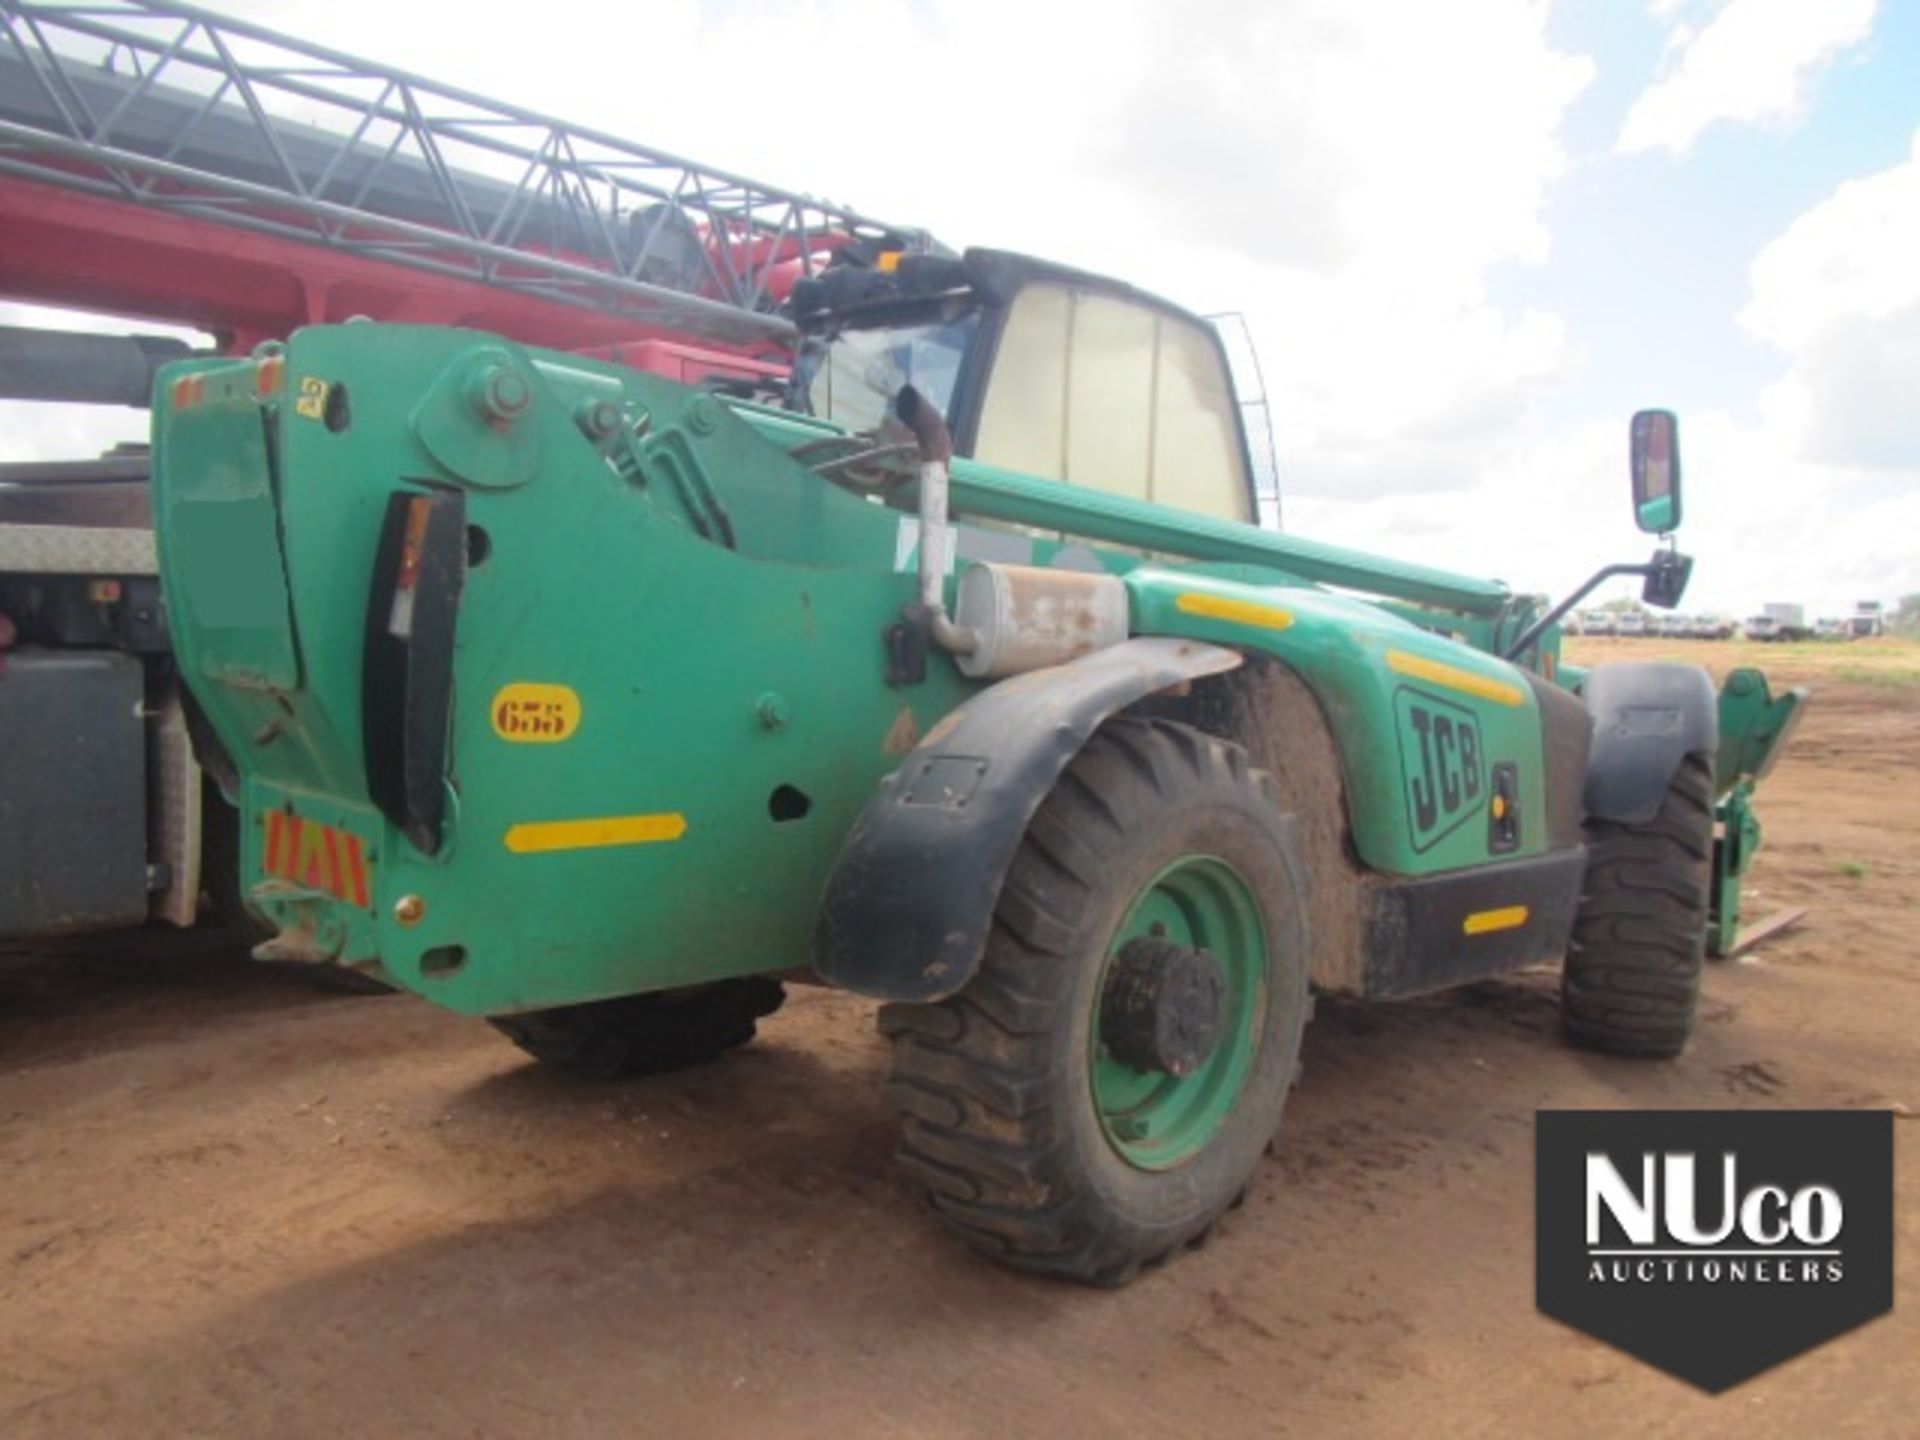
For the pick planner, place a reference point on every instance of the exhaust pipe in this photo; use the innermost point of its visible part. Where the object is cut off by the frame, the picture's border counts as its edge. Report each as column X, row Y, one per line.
column 936, row 531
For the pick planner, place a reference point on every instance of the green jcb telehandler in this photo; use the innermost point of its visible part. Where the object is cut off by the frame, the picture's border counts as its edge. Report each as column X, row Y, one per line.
column 599, row 706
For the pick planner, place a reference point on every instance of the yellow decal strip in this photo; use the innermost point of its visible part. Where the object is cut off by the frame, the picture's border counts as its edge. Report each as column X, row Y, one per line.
column 1244, row 612
column 1453, row 677
column 1485, row 922
column 546, row 835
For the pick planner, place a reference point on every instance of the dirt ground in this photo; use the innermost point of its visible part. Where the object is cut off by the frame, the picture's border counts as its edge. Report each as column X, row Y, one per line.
column 230, row 1205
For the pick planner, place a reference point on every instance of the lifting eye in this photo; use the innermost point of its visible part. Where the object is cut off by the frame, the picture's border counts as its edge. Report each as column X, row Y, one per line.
column 337, row 415
column 442, row 961
column 788, row 803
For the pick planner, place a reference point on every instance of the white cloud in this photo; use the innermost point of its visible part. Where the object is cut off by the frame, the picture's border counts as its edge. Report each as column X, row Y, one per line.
column 1344, row 175
column 1839, row 293
column 1764, row 524
column 1786, row 527
column 1851, row 254
column 1814, row 499
column 1817, row 500
column 1754, row 63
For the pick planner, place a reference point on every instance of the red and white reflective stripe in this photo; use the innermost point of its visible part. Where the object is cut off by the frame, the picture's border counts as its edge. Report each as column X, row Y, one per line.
column 319, row 857
column 357, row 861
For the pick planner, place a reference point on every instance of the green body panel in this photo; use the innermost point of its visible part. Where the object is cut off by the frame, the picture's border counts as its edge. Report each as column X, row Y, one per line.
column 718, row 611
column 227, row 536
column 1736, row 841
column 1657, row 516
column 670, row 641
column 1347, row 651
column 1755, row 725
column 987, row 492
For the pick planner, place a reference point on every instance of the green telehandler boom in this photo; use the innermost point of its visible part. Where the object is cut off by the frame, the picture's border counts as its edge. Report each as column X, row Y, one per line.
column 600, row 706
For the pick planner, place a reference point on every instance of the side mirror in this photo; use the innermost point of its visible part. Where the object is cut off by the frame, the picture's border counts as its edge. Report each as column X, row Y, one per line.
column 1667, row 576
column 1656, row 471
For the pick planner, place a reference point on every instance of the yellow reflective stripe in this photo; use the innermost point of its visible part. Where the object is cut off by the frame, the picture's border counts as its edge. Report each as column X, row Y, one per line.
column 533, row 838
column 1244, row 612
column 1483, row 922
column 1454, row 678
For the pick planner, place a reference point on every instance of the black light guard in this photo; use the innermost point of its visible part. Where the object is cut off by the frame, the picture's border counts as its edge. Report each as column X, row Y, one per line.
column 407, row 690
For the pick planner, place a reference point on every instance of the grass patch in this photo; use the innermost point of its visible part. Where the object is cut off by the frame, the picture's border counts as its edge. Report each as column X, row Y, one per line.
column 1852, row 869
column 1867, row 675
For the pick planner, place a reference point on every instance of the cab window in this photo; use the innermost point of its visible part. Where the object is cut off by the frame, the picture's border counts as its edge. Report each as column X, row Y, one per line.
column 864, row 369
column 1103, row 391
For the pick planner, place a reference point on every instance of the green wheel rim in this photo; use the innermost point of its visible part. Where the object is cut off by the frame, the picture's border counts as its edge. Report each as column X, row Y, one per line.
column 1156, row 1121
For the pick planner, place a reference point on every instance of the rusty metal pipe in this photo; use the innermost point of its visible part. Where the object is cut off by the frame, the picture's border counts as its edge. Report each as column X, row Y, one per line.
column 936, row 531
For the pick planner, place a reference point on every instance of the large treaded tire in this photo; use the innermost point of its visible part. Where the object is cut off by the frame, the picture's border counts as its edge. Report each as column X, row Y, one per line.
column 645, row 1034
column 1000, row 1132
column 1632, row 976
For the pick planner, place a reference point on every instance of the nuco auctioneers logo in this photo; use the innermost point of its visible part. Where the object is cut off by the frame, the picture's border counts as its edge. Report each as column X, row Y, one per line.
column 1714, row 1243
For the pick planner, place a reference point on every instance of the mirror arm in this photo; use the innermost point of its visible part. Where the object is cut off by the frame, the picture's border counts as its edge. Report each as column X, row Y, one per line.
column 1599, row 577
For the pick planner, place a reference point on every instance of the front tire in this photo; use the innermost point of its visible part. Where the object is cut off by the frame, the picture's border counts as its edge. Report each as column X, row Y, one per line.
column 1066, row 1112
column 1632, row 977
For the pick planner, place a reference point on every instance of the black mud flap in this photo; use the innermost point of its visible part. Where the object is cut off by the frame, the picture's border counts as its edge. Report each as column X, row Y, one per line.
column 1647, row 718
column 912, row 894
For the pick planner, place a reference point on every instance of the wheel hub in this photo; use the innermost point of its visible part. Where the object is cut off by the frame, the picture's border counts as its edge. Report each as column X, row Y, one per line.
column 1162, row 1006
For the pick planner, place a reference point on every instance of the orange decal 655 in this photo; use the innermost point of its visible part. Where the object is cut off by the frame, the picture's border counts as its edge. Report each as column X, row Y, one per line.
column 316, row 856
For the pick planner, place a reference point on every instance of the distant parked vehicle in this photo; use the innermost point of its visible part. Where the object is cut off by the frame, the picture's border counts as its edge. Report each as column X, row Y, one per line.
column 1828, row 628
column 1789, row 621
column 1867, row 620
column 1630, row 622
column 1761, row 627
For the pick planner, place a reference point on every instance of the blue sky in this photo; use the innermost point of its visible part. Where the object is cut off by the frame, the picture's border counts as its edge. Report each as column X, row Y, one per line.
column 1469, row 238
column 1651, row 251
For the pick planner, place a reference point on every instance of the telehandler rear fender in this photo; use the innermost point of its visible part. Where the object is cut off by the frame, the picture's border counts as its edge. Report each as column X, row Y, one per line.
column 912, row 894
column 1647, row 718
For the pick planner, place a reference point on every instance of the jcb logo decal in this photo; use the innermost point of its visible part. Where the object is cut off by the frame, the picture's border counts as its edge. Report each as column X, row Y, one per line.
column 1443, row 764
column 316, row 856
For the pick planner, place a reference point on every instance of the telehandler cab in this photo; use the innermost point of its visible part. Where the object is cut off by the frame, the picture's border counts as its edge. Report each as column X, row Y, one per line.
column 599, row 705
